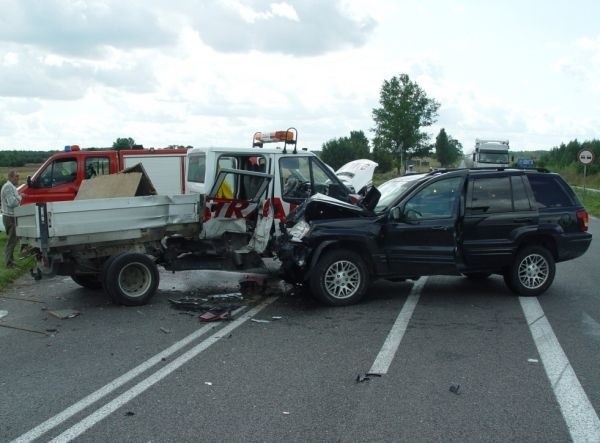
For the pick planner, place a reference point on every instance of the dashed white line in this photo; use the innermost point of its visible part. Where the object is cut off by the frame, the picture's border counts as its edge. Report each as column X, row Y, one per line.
column 390, row 346
column 579, row 414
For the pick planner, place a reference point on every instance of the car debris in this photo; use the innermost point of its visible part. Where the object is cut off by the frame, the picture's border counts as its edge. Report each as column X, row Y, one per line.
column 165, row 330
column 454, row 389
column 3, row 313
column 257, row 320
column 64, row 313
column 360, row 378
column 217, row 314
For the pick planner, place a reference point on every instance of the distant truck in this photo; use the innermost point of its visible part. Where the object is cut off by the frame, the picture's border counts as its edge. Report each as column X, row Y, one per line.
column 489, row 154
column 59, row 178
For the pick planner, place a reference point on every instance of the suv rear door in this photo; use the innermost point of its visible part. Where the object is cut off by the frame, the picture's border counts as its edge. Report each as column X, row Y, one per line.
column 499, row 209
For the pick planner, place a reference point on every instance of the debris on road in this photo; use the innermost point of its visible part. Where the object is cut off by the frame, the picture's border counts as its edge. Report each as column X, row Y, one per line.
column 217, row 314
column 454, row 389
column 229, row 296
column 257, row 320
column 129, row 413
column 190, row 304
column 209, row 383
column 362, row 378
column 64, row 313
column 3, row 313
column 276, row 317
column 165, row 330
column 532, row 360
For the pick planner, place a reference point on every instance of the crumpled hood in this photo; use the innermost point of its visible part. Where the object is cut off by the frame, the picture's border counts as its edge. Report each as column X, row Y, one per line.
column 320, row 207
column 357, row 174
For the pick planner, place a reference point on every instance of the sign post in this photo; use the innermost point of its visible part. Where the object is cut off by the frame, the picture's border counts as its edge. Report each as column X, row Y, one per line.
column 586, row 157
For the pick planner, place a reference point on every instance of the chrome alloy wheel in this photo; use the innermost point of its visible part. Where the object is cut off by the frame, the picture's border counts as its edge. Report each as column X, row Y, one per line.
column 533, row 271
column 342, row 279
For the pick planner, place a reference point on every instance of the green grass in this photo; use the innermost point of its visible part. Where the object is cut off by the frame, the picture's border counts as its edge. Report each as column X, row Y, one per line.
column 7, row 276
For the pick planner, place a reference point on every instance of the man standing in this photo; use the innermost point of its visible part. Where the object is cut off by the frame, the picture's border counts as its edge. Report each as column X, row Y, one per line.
column 10, row 199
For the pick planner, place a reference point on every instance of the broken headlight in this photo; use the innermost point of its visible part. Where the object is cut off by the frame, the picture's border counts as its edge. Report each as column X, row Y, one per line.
column 299, row 230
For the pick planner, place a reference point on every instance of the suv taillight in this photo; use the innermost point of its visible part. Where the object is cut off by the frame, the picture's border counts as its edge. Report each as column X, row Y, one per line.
column 583, row 218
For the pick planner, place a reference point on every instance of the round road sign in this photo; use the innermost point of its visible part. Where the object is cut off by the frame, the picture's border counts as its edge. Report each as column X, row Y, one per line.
column 586, row 156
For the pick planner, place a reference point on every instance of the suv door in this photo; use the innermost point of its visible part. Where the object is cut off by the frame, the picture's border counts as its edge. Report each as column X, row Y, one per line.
column 422, row 239
column 498, row 210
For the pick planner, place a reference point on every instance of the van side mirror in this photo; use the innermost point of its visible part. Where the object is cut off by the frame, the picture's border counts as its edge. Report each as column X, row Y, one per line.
column 395, row 214
column 29, row 182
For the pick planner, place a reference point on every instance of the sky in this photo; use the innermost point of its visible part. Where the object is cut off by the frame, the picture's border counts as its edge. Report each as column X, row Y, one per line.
column 214, row 72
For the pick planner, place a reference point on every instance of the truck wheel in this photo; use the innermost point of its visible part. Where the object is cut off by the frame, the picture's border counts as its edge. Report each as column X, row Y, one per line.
column 532, row 271
column 89, row 281
column 339, row 278
column 131, row 279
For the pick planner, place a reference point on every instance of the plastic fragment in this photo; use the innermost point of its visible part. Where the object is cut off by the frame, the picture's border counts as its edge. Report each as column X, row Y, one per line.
column 454, row 389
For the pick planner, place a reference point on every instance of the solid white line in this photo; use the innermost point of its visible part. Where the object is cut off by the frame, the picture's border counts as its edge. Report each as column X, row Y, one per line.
column 130, row 394
column 390, row 346
column 579, row 414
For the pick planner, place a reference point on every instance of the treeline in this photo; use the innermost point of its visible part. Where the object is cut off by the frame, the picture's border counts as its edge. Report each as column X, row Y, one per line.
column 21, row 158
column 565, row 156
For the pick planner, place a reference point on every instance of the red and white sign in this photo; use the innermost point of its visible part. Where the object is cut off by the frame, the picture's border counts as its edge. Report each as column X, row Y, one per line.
column 586, row 156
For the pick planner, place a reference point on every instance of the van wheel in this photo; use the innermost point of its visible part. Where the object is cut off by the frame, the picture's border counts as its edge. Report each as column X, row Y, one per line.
column 532, row 271
column 340, row 278
column 89, row 281
column 131, row 279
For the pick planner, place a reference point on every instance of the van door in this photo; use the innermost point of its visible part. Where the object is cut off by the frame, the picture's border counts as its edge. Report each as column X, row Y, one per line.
column 58, row 181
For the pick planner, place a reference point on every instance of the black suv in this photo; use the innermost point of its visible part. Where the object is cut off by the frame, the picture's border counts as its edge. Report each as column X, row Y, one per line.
column 474, row 222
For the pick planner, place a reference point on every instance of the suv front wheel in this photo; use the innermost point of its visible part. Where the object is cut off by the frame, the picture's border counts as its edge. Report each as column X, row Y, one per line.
column 532, row 271
column 340, row 278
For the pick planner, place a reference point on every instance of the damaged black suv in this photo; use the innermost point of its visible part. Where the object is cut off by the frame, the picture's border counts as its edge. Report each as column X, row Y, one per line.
column 474, row 222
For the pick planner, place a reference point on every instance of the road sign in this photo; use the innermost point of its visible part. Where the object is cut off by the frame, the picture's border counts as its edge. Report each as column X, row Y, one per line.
column 586, row 156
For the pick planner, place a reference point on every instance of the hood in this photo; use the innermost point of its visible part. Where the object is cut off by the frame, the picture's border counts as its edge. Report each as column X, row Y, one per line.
column 357, row 174
column 321, row 207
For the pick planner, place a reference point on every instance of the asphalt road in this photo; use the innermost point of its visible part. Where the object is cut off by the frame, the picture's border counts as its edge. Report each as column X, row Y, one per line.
column 519, row 370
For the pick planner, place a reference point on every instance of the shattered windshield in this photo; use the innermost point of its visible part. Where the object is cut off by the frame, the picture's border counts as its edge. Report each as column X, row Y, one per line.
column 392, row 189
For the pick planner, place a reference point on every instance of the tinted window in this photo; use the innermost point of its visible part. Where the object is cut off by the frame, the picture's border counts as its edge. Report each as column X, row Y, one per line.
column 548, row 192
column 520, row 199
column 436, row 200
column 490, row 195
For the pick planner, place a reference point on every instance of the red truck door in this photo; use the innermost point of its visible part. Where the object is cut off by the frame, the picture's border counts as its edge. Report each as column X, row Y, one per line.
column 59, row 178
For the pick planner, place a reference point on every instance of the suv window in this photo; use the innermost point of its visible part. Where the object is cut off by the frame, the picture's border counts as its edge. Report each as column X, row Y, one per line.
column 549, row 192
column 436, row 200
column 490, row 194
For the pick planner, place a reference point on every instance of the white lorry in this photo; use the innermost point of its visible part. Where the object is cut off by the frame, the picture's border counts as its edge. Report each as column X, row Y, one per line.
column 489, row 154
column 117, row 243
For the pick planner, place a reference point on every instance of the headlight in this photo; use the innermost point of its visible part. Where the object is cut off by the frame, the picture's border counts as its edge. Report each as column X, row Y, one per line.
column 299, row 230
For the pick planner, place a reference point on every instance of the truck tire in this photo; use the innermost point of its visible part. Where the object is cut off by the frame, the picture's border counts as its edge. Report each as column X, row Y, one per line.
column 532, row 271
column 131, row 279
column 339, row 278
column 89, row 281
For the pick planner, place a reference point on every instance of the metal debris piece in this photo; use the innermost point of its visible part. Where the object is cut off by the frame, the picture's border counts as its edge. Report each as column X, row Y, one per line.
column 165, row 330
column 362, row 378
column 256, row 320
column 217, row 314
column 533, row 360
column 190, row 304
column 373, row 374
column 208, row 383
column 454, row 389
column 2, row 325
column 276, row 317
column 229, row 296
column 64, row 313
column 129, row 413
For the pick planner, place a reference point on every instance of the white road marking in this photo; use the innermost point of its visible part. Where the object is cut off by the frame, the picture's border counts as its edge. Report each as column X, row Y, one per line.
column 390, row 346
column 579, row 414
column 128, row 376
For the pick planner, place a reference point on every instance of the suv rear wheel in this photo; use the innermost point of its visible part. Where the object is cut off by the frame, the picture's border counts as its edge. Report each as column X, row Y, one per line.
column 532, row 271
column 340, row 278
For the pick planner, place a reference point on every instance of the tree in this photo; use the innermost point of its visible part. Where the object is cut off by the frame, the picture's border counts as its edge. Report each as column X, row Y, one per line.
column 405, row 109
column 123, row 143
column 338, row 152
column 447, row 150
